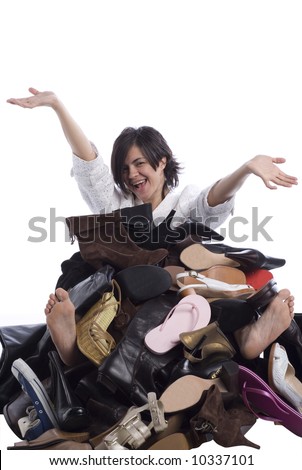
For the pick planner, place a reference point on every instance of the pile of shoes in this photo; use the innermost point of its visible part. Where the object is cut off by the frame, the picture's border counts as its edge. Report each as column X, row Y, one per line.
column 156, row 308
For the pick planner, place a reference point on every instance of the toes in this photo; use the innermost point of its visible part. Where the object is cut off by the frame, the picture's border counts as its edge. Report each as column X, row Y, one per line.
column 61, row 294
column 284, row 295
column 53, row 298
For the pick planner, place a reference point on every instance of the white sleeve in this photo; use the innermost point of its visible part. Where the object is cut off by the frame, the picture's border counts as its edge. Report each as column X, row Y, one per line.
column 96, row 185
column 193, row 203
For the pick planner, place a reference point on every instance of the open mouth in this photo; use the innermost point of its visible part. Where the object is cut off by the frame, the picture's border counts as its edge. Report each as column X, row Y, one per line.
column 139, row 184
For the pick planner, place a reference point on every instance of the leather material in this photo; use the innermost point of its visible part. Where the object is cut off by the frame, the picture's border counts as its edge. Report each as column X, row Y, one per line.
column 250, row 259
column 54, row 437
column 263, row 296
column 208, row 368
column 103, row 239
column 71, row 414
column 131, row 367
column 28, row 342
column 87, row 292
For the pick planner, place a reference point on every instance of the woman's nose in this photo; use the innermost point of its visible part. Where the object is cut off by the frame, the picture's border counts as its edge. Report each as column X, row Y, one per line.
column 133, row 171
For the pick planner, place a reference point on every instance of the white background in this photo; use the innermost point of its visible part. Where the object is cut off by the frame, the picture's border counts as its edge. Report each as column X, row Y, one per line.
column 221, row 80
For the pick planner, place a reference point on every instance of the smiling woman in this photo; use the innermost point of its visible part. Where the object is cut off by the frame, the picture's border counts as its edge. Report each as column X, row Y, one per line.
column 144, row 170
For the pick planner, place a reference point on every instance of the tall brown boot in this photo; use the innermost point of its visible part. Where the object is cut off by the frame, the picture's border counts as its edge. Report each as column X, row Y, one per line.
column 103, row 239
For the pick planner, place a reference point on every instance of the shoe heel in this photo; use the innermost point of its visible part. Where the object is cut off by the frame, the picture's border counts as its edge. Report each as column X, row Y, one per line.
column 229, row 376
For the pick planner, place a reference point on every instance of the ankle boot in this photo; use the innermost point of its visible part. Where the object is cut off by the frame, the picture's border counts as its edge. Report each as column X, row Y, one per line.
column 224, row 426
column 103, row 239
column 71, row 415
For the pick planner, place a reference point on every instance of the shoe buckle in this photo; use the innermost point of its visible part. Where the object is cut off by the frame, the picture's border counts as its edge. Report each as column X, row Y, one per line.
column 205, row 427
column 128, row 432
column 193, row 274
column 156, row 412
column 216, row 373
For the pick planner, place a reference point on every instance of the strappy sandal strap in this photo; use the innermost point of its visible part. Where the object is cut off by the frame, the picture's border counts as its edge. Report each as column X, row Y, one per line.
column 132, row 431
column 208, row 282
column 102, row 339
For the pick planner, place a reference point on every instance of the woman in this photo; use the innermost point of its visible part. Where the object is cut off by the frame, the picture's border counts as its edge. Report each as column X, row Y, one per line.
column 145, row 171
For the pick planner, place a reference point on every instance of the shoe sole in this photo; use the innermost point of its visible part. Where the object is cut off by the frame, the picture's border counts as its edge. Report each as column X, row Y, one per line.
column 33, row 387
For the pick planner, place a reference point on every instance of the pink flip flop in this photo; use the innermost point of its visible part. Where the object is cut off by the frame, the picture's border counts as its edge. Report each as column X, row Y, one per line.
column 191, row 313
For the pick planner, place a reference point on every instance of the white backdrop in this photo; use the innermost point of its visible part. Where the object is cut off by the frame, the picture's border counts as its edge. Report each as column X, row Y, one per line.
column 221, row 80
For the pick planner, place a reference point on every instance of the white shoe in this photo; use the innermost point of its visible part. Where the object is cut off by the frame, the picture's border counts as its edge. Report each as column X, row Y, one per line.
column 281, row 377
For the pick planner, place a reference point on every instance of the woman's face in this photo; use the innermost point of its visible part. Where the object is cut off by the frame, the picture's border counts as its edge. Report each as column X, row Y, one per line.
column 141, row 179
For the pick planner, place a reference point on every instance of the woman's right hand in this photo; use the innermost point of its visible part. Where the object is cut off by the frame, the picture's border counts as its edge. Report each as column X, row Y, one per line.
column 39, row 98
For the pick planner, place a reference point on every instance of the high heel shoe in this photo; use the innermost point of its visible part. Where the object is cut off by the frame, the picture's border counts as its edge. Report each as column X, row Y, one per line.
column 198, row 257
column 212, row 367
column 207, row 368
column 250, row 259
column 281, row 377
column 208, row 340
column 71, row 415
column 213, row 418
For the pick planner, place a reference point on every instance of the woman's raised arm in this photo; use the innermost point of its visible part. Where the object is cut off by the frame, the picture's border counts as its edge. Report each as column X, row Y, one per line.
column 76, row 138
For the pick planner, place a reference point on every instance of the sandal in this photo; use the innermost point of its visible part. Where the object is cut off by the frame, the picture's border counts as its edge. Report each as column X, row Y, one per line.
column 209, row 287
column 198, row 257
column 132, row 431
column 192, row 312
column 282, row 378
column 261, row 400
column 92, row 338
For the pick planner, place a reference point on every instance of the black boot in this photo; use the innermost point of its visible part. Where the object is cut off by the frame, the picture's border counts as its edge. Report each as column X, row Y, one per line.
column 131, row 368
column 71, row 415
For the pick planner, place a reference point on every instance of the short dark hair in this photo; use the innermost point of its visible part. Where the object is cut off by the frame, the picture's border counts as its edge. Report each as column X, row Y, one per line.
column 152, row 145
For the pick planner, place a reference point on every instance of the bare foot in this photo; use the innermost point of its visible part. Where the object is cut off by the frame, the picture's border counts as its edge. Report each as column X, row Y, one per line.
column 60, row 319
column 255, row 337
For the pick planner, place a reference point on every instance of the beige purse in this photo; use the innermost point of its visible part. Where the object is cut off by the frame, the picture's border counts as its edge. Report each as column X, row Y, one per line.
column 93, row 340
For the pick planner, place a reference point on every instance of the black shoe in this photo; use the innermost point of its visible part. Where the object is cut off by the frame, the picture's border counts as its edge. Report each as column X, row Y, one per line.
column 71, row 415
column 263, row 296
column 249, row 259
